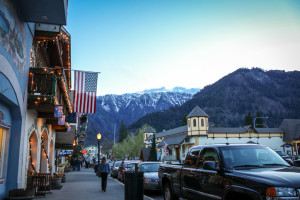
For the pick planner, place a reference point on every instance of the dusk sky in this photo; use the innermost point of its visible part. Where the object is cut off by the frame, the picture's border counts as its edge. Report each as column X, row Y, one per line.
column 145, row 44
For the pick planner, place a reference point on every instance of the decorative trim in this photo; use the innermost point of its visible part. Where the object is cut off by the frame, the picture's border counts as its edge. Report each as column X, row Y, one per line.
column 45, row 126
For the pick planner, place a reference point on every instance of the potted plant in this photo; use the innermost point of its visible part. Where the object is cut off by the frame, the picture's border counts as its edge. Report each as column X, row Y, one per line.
column 56, row 181
column 61, row 168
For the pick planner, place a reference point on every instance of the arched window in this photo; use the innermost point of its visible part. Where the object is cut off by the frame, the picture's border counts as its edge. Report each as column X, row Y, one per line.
column 202, row 122
column 194, row 122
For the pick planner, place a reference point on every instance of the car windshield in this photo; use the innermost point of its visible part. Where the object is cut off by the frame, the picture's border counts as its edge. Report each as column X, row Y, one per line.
column 149, row 167
column 281, row 153
column 128, row 165
column 241, row 157
column 117, row 164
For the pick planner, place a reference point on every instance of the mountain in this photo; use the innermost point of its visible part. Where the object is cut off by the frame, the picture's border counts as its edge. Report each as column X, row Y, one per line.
column 274, row 93
column 175, row 89
column 112, row 109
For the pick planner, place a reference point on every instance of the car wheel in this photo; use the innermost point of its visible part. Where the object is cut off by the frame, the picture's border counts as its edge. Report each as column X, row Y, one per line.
column 168, row 194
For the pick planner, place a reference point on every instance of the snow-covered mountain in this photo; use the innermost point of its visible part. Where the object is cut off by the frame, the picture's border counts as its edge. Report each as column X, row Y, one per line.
column 175, row 89
column 112, row 109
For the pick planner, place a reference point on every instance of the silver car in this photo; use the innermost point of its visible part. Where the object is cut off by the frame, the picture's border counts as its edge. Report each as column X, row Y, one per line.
column 114, row 169
column 150, row 170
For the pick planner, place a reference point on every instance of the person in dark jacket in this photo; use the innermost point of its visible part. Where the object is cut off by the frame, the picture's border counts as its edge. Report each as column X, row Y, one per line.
column 104, row 170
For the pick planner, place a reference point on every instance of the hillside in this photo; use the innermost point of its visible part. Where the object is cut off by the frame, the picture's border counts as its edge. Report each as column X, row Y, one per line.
column 112, row 109
column 274, row 93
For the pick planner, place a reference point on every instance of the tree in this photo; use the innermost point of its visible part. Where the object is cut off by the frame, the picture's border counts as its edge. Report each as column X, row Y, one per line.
column 259, row 122
column 153, row 155
column 184, row 120
column 248, row 119
column 122, row 132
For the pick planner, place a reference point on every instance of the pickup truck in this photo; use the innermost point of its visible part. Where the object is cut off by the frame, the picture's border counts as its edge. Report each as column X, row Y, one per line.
column 231, row 172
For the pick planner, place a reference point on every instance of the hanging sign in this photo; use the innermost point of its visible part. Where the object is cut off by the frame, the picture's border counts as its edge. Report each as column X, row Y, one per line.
column 58, row 110
column 61, row 121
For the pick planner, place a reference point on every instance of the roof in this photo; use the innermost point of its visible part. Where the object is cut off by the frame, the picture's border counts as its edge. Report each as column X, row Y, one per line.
column 291, row 128
column 173, row 139
column 269, row 130
column 197, row 112
column 227, row 130
column 149, row 130
column 181, row 129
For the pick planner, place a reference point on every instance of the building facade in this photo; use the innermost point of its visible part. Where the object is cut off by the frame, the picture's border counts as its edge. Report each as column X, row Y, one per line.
column 18, row 24
column 198, row 132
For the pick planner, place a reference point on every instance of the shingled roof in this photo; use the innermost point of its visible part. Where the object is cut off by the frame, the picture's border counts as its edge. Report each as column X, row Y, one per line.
column 149, row 130
column 197, row 112
column 173, row 139
column 291, row 128
column 181, row 129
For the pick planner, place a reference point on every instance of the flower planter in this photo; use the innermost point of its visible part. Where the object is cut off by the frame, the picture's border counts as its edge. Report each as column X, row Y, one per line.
column 21, row 194
column 56, row 183
column 63, row 179
column 61, row 170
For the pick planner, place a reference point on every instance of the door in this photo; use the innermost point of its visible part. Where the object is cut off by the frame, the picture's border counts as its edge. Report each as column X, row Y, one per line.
column 211, row 182
column 189, row 174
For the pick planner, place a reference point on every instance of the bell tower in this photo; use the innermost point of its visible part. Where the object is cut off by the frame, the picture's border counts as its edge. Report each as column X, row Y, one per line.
column 197, row 122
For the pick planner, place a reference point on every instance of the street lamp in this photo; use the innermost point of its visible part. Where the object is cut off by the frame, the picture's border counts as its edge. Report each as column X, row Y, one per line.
column 256, row 118
column 99, row 138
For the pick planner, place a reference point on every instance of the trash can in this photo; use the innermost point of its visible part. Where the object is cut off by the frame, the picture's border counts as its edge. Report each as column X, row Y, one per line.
column 297, row 163
column 134, row 185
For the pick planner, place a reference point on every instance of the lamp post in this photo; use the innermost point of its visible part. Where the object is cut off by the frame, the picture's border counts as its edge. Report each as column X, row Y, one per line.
column 99, row 138
column 256, row 118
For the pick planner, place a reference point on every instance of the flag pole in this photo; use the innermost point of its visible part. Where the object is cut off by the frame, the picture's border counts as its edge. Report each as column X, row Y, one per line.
column 81, row 71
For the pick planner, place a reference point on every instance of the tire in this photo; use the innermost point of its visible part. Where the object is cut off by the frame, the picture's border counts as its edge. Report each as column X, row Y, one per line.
column 168, row 193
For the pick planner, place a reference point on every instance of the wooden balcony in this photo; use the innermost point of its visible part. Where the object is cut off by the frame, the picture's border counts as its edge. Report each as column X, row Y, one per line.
column 47, row 89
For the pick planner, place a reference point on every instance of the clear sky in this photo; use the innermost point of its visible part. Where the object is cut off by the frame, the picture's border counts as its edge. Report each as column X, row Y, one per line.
column 143, row 44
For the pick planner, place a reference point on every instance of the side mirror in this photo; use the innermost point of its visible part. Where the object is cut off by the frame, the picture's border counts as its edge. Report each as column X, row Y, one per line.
column 210, row 165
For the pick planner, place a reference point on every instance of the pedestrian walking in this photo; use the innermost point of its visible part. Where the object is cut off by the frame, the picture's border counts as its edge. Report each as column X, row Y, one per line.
column 104, row 170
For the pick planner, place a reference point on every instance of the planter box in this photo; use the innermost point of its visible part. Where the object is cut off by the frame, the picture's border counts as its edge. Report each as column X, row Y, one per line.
column 21, row 194
column 56, row 183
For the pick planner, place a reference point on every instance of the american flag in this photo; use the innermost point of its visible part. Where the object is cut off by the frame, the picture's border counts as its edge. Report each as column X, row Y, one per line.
column 85, row 87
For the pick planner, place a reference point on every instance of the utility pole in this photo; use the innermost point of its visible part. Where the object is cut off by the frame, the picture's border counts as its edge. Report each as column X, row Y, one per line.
column 115, row 134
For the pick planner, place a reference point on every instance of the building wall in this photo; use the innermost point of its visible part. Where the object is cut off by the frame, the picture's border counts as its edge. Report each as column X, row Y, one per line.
column 37, row 125
column 15, row 44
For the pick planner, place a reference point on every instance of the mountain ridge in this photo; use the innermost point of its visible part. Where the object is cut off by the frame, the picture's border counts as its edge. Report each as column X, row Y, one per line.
column 274, row 93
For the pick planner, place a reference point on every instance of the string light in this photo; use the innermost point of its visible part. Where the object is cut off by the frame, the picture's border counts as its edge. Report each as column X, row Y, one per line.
column 30, row 156
column 43, row 147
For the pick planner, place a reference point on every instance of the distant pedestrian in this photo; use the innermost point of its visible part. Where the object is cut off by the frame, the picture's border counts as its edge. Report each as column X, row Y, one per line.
column 104, row 170
column 78, row 163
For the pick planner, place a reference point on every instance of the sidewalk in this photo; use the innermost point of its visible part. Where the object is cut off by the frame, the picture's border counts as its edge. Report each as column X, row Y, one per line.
column 85, row 185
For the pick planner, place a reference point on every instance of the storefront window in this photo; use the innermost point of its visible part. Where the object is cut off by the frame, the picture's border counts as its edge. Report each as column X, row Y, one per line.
column 2, row 151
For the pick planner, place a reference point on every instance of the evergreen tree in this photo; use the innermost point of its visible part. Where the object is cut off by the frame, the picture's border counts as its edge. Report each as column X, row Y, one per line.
column 248, row 119
column 259, row 122
column 153, row 155
column 122, row 132
column 184, row 120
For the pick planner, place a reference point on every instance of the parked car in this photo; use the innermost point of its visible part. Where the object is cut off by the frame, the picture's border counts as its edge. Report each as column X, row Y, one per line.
column 231, row 172
column 125, row 166
column 150, row 170
column 285, row 156
column 114, row 169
